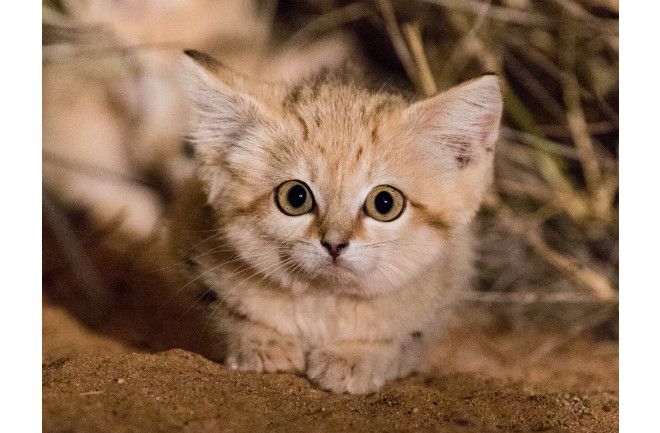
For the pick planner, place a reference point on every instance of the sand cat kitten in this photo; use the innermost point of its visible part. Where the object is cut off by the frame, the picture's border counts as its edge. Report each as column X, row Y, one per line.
column 338, row 219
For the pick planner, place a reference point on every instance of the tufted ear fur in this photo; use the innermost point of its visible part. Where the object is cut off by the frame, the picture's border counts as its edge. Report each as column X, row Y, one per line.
column 456, row 131
column 226, row 116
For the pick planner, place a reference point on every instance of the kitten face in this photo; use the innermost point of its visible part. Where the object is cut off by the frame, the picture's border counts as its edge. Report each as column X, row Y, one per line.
column 326, row 187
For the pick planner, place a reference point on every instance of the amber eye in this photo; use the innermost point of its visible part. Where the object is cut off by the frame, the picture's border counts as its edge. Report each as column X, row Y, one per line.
column 294, row 198
column 384, row 203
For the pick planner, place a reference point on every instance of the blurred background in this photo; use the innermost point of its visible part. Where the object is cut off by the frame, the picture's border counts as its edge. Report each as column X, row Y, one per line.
column 115, row 150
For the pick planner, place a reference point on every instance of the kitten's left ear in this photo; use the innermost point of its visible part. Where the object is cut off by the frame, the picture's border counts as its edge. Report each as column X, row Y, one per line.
column 456, row 131
column 462, row 122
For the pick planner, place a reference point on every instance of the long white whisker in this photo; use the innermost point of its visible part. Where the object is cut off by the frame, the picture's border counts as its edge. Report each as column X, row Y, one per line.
column 217, row 233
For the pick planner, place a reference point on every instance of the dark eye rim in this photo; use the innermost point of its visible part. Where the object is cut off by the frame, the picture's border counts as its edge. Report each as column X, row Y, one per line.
column 294, row 182
column 373, row 194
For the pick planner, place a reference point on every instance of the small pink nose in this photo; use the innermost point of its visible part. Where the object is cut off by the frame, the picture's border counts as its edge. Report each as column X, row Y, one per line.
column 334, row 249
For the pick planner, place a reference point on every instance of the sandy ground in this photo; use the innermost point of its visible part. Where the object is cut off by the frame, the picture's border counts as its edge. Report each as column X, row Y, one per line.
column 94, row 383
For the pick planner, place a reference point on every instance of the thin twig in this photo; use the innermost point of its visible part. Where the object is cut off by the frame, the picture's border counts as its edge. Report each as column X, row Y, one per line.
column 534, row 86
column 579, row 274
column 574, row 113
column 414, row 38
column 585, row 276
column 538, row 142
column 90, row 169
column 541, row 60
column 67, row 53
column 508, row 15
column 524, row 189
column 525, row 298
column 488, row 60
column 577, row 12
column 467, row 46
column 329, row 21
column 592, row 320
column 387, row 12
column 92, row 285
column 570, row 198
column 594, row 128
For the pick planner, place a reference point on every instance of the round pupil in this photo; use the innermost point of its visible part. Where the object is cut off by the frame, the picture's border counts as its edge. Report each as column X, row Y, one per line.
column 297, row 196
column 383, row 202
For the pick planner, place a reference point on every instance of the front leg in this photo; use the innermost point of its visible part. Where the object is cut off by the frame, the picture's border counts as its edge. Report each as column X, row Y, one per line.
column 255, row 347
column 360, row 367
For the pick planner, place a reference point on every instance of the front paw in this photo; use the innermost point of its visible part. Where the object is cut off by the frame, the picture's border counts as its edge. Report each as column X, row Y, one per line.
column 264, row 352
column 355, row 374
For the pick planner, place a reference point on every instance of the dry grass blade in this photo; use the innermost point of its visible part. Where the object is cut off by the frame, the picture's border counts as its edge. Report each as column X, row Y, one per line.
column 535, row 87
column 469, row 45
column 542, row 60
column 528, row 228
column 553, row 344
column 530, row 297
column 574, row 9
column 92, row 287
column 498, row 13
column 414, row 38
column 470, row 48
column 89, row 169
column 387, row 12
column 328, row 22
column 538, row 142
column 584, row 276
column 574, row 113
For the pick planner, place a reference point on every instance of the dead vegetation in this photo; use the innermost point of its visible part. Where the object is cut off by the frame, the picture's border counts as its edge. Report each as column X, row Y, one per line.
column 549, row 228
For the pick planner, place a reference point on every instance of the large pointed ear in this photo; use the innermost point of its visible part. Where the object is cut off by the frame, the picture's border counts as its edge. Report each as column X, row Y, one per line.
column 221, row 103
column 225, row 117
column 462, row 122
column 457, row 130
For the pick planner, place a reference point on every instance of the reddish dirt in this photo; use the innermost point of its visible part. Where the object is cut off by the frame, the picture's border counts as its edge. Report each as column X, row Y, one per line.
column 94, row 383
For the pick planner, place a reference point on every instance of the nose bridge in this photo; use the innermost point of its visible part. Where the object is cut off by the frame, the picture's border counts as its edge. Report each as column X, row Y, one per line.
column 337, row 222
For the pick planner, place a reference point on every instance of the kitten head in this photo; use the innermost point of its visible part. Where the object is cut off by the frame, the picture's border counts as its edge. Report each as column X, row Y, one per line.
column 323, row 186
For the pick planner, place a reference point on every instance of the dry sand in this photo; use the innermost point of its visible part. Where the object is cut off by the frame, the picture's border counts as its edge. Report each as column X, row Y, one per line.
column 94, row 383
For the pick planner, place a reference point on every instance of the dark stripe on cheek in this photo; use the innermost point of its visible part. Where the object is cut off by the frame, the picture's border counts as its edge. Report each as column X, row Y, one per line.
column 437, row 221
column 253, row 207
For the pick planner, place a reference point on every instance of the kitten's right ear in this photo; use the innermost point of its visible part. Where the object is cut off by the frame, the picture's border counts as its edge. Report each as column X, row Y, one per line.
column 221, row 107
column 223, row 116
